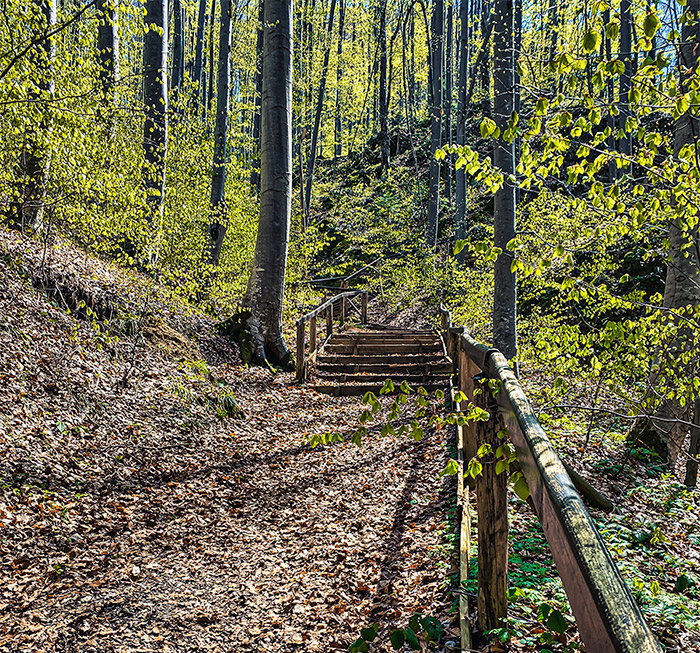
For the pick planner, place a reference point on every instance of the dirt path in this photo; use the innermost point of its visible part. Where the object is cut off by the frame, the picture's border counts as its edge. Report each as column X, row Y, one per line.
column 133, row 519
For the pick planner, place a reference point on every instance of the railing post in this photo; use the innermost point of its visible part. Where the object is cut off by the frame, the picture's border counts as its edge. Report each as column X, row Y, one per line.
column 492, row 511
column 343, row 309
column 312, row 335
column 365, row 301
column 301, row 362
column 329, row 321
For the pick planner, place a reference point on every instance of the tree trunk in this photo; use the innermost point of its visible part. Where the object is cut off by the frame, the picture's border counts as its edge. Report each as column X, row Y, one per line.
column 218, row 219
column 448, row 100
column 383, row 91
column 210, row 90
column 437, row 46
column 625, row 144
column 155, row 94
column 504, row 297
column 461, row 175
column 264, row 296
column 255, row 169
column 35, row 158
column 197, row 76
column 108, row 49
column 486, row 21
column 317, row 117
column 338, row 134
column 178, row 66
column 682, row 287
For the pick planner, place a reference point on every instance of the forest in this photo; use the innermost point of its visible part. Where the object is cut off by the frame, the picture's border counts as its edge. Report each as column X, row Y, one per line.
column 350, row 325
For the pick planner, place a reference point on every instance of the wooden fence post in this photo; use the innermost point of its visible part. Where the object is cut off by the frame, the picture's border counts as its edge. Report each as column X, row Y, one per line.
column 492, row 511
column 329, row 321
column 301, row 363
column 343, row 310
column 365, row 301
column 312, row 335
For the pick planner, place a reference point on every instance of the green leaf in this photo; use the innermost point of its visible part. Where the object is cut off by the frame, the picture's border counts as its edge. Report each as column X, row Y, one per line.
column 397, row 639
column 651, row 25
column 359, row 646
column 682, row 583
column 459, row 246
column 387, row 388
column 433, row 628
column 521, row 489
column 591, row 40
column 451, row 469
column 411, row 639
column 370, row 633
column 556, row 622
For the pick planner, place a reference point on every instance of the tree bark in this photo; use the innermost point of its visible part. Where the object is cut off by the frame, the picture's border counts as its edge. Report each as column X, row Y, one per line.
column 436, row 50
column 35, row 158
column 155, row 93
column 317, row 117
column 210, row 90
column 264, row 296
column 338, row 134
column 108, row 49
column 197, row 74
column 461, row 175
column 486, row 21
column 178, row 63
column 218, row 219
column 449, row 89
column 383, row 91
column 625, row 144
column 255, row 169
column 504, row 298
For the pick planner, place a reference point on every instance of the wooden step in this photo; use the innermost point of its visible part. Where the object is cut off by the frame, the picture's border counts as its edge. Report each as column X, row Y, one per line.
column 393, row 371
column 387, row 335
column 413, row 379
column 358, row 389
column 376, row 359
column 371, row 349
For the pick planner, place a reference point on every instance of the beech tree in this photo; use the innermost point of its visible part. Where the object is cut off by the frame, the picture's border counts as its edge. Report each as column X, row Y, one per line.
column 217, row 224
column 35, row 158
column 155, row 95
column 262, row 338
column 437, row 55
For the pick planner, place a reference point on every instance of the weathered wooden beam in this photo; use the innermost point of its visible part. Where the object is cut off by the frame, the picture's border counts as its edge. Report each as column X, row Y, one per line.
column 301, row 354
column 329, row 321
column 492, row 511
column 607, row 616
column 312, row 335
column 365, row 303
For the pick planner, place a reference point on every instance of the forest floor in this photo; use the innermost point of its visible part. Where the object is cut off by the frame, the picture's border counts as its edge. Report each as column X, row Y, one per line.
column 135, row 515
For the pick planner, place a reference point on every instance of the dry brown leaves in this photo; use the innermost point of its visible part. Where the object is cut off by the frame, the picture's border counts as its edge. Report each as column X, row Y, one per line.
column 133, row 519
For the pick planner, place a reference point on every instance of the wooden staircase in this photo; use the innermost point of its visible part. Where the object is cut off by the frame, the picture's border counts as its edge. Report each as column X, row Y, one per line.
column 357, row 361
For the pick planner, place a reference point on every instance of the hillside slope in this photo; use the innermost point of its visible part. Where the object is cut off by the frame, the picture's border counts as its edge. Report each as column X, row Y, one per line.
column 136, row 514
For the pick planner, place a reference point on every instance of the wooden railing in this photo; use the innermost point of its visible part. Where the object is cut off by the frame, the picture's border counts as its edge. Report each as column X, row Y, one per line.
column 343, row 302
column 608, row 618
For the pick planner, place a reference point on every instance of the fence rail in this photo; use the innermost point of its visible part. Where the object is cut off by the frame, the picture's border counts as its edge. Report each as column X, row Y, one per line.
column 608, row 618
column 339, row 304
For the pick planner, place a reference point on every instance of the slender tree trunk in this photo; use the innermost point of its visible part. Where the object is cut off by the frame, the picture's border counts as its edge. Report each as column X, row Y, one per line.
column 155, row 93
column 108, row 49
column 338, row 134
column 437, row 45
column 218, row 219
column 178, row 66
column 197, row 72
column 264, row 296
column 35, row 158
column 210, row 90
column 412, row 64
column 448, row 98
column 255, row 169
column 317, row 117
column 625, row 144
column 486, row 21
column 383, row 91
column 504, row 295
column 461, row 176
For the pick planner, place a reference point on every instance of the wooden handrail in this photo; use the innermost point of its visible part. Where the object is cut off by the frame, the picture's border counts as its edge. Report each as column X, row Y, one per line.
column 312, row 318
column 608, row 618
